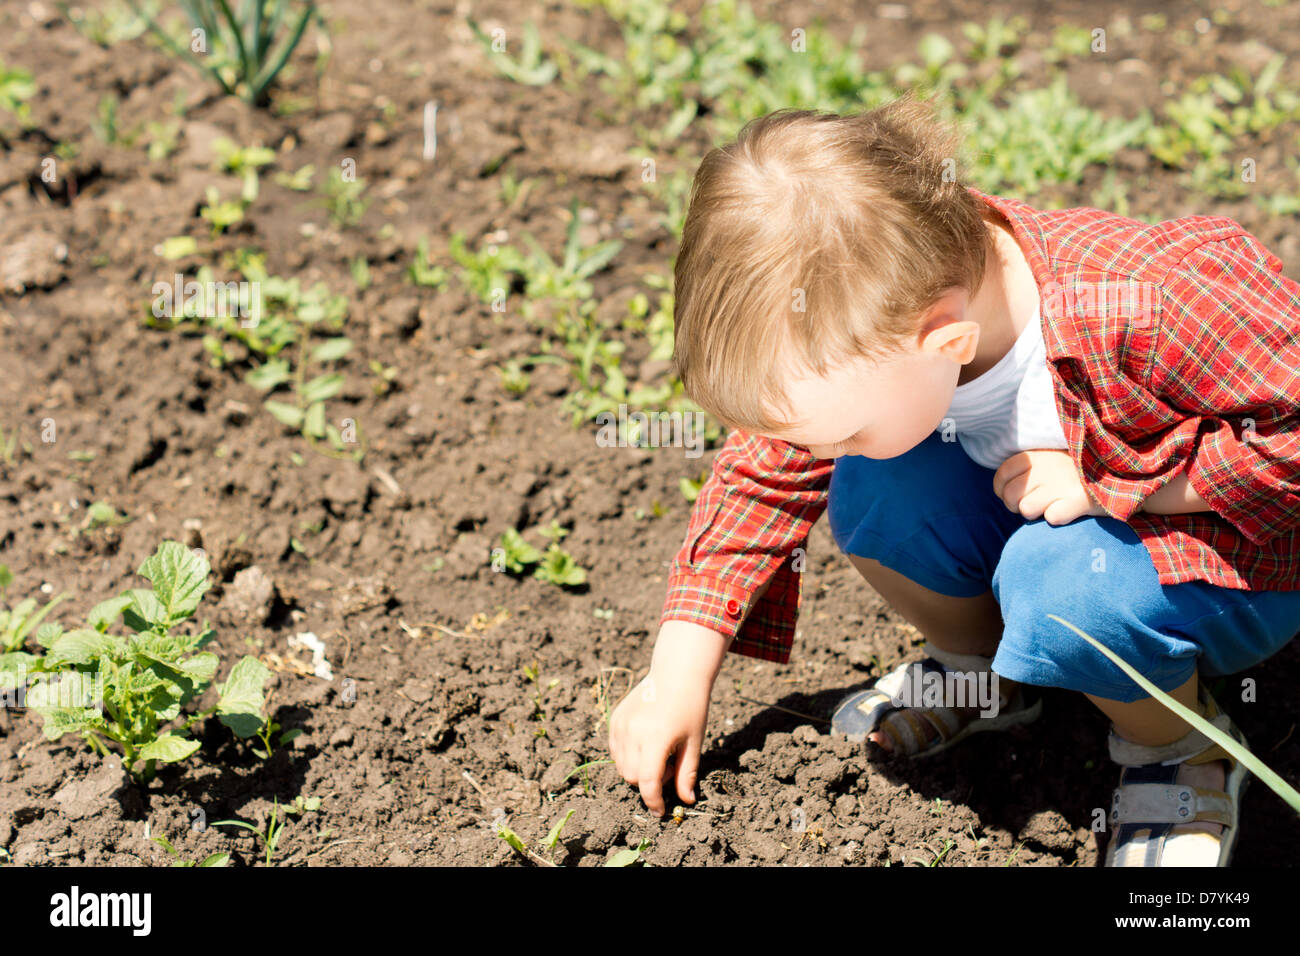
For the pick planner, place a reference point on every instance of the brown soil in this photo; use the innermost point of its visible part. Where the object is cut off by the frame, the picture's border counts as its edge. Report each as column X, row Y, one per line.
column 442, row 731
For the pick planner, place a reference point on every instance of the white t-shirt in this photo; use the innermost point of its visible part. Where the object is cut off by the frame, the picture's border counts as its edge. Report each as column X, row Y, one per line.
column 1010, row 408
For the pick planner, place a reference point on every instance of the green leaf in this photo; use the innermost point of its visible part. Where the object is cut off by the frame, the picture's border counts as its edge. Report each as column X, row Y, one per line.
column 314, row 423
column 82, row 646
column 103, row 614
column 217, row 859
column 554, row 836
column 321, row 388
column 168, row 749
column 509, row 835
column 177, row 247
column 629, row 856
column 146, row 610
column 331, row 350
column 1220, row 737
column 240, row 705
column 269, row 374
column 201, row 668
column 179, row 577
column 290, row 415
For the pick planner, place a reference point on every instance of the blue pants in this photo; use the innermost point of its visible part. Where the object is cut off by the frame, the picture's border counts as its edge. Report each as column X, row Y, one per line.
column 931, row 515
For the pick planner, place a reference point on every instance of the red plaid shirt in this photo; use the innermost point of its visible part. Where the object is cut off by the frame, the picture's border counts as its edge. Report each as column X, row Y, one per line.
column 1172, row 347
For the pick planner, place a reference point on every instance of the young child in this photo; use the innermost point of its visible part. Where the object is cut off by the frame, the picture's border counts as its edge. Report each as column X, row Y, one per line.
column 1008, row 413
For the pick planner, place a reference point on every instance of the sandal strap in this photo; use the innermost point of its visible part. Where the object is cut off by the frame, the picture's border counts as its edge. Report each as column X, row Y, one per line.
column 1169, row 803
column 1193, row 748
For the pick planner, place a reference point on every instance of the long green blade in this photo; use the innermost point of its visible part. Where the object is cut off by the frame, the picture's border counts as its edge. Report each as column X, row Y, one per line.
column 1253, row 763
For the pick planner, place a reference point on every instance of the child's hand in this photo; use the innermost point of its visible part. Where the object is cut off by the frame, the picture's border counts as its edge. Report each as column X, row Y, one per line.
column 1043, row 483
column 656, row 731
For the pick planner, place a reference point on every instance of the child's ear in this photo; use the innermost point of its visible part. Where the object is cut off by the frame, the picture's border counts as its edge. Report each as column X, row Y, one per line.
column 947, row 331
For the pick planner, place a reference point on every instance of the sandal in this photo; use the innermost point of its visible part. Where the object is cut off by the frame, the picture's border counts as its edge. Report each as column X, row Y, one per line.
column 1148, row 802
column 860, row 713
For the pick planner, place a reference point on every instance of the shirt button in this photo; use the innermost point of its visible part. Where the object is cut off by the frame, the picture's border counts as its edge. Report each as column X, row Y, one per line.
column 733, row 608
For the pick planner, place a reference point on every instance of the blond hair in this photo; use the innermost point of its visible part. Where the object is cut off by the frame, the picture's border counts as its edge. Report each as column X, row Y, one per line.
column 812, row 239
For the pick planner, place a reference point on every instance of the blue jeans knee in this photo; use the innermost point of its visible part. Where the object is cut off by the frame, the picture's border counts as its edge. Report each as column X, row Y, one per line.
column 929, row 514
column 1096, row 573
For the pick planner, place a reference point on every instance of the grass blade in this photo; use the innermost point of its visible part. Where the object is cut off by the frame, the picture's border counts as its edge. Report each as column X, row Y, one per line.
column 1253, row 763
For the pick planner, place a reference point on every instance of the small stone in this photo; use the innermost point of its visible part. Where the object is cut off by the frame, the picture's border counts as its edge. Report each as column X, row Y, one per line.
column 250, row 595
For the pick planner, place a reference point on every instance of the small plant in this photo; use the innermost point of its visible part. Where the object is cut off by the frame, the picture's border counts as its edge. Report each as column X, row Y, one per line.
column 539, row 713
column 555, row 565
column 360, row 269
column 341, row 195
column 269, row 730
column 112, row 24
column 548, row 844
column 104, row 126
column 299, row 181
column 530, row 67
column 424, row 273
column 270, row 838
column 160, row 139
column 141, row 682
column 302, row 805
column 22, row 619
column 582, row 769
column 8, row 445
column 385, row 376
column 216, row 859
column 242, row 52
column 16, row 88
column 629, row 856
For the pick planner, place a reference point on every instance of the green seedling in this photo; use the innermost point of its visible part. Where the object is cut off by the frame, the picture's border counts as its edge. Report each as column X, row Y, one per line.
column 690, row 487
column 302, row 805
column 102, row 514
column 938, row 857
column 629, row 856
column 487, row 273
column 567, row 279
column 223, row 213
column 104, row 126
column 548, row 844
column 243, row 52
column 269, row 730
column 300, row 181
column 385, row 376
column 530, row 67
column 8, row 445
column 276, row 320
column 216, row 859
column 270, row 838
column 582, row 768
column 16, row 88
column 161, row 138
column 539, row 713
column 554, row 565
column 513, row 378
column 131, row 690
column 424, row 273
column 360, row 270
column 112, row 24
column 341, row 195
column 21, row 620
column 1252, row 763
column 6, row 577
column 237, row 159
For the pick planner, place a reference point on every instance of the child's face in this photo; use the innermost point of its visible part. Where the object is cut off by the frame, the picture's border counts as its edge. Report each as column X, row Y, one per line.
column 880, row 410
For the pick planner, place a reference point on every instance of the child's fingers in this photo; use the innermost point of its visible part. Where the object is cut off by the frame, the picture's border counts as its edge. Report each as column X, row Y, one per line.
column 688, row 766
column 652, row 779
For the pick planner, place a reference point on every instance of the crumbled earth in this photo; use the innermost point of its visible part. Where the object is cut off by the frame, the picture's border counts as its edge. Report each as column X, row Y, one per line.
column 429, row 734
